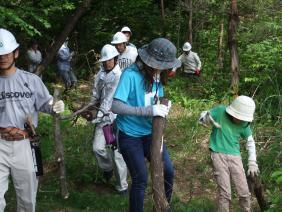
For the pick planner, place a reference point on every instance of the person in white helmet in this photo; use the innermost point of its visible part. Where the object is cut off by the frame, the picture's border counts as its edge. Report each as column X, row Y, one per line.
column 127, row 32
column 22, row 95
column 230, row 124
column 191, row 62
column 105, row 84
column 127, row 54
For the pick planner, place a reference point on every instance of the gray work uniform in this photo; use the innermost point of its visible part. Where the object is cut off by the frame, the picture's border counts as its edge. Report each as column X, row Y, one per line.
column 64, row 66
column 190, row 62
column 22, row 94
column 103, row 91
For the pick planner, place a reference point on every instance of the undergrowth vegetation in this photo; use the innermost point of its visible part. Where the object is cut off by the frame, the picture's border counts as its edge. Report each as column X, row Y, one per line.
column 194, row 188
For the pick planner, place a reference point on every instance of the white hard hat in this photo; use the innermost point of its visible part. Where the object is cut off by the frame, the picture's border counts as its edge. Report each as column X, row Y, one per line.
column 242, row 108
column 187, row 47
column 8, row 42
column 108, row 52
column 126, row 29
column 119, row 37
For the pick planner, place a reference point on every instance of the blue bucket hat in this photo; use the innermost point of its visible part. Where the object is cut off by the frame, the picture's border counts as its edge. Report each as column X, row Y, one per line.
column 159, row 54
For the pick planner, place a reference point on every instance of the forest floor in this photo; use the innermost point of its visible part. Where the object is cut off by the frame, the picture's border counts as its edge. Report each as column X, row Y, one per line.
column 194, row 185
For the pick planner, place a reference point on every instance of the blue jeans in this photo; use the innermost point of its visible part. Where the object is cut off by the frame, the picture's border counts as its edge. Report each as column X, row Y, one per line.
column 134, row 150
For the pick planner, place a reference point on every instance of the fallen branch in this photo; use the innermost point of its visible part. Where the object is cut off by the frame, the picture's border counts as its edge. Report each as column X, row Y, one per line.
column 86, row 109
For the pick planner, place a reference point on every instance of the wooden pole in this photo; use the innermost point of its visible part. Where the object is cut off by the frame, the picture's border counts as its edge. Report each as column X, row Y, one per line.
column 157, row 170
column 60, row 158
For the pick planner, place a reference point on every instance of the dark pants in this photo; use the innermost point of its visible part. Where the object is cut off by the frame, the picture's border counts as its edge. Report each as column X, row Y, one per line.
column 134, row 150
column 68, row 77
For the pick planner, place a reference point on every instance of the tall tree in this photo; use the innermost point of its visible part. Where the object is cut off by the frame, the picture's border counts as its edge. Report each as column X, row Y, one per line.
column 63, row 35
column 187, row 7
column 162, row 10
column 190, row 26
column 220, row 45
column 163, row 17
column 220, row 38
column 232, row 43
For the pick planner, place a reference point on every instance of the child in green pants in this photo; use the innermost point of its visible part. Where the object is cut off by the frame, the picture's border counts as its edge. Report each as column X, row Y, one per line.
column 230, row 124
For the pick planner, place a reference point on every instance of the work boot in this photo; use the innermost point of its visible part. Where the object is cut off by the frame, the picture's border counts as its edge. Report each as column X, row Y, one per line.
column 108, row 175
column 73, row 85
column 123, row 192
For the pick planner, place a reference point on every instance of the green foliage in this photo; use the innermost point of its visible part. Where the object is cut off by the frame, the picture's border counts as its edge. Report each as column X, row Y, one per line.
column 31, row 17
column 276, row 199
column 262, row 56
column 277, row 176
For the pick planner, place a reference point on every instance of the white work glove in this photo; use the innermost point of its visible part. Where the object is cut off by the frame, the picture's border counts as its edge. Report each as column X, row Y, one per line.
column 253, row 169
column 101, row 118
column 58, row 107
column 71, row 55
column 203, row 120
column 96, row 121
column 206, row 118
column 160, row 110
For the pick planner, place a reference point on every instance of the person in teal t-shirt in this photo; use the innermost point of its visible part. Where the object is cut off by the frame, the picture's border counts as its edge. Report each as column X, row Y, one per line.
column 135, row 102
column 230, row 124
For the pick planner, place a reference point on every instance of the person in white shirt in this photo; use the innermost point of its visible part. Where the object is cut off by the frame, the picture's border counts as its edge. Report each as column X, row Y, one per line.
column 127, row 54
column 127, row 32
column 191, row 62
column 33, row 56
column 23, row 95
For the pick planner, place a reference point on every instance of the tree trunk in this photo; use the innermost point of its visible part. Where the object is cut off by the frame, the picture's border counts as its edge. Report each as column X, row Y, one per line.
column 232, row 43
column 190, row 37
column 163, row 17
column 162, row 10
column 220, row 45
column 60, row 151
column 157, row 170
column 52, row 52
